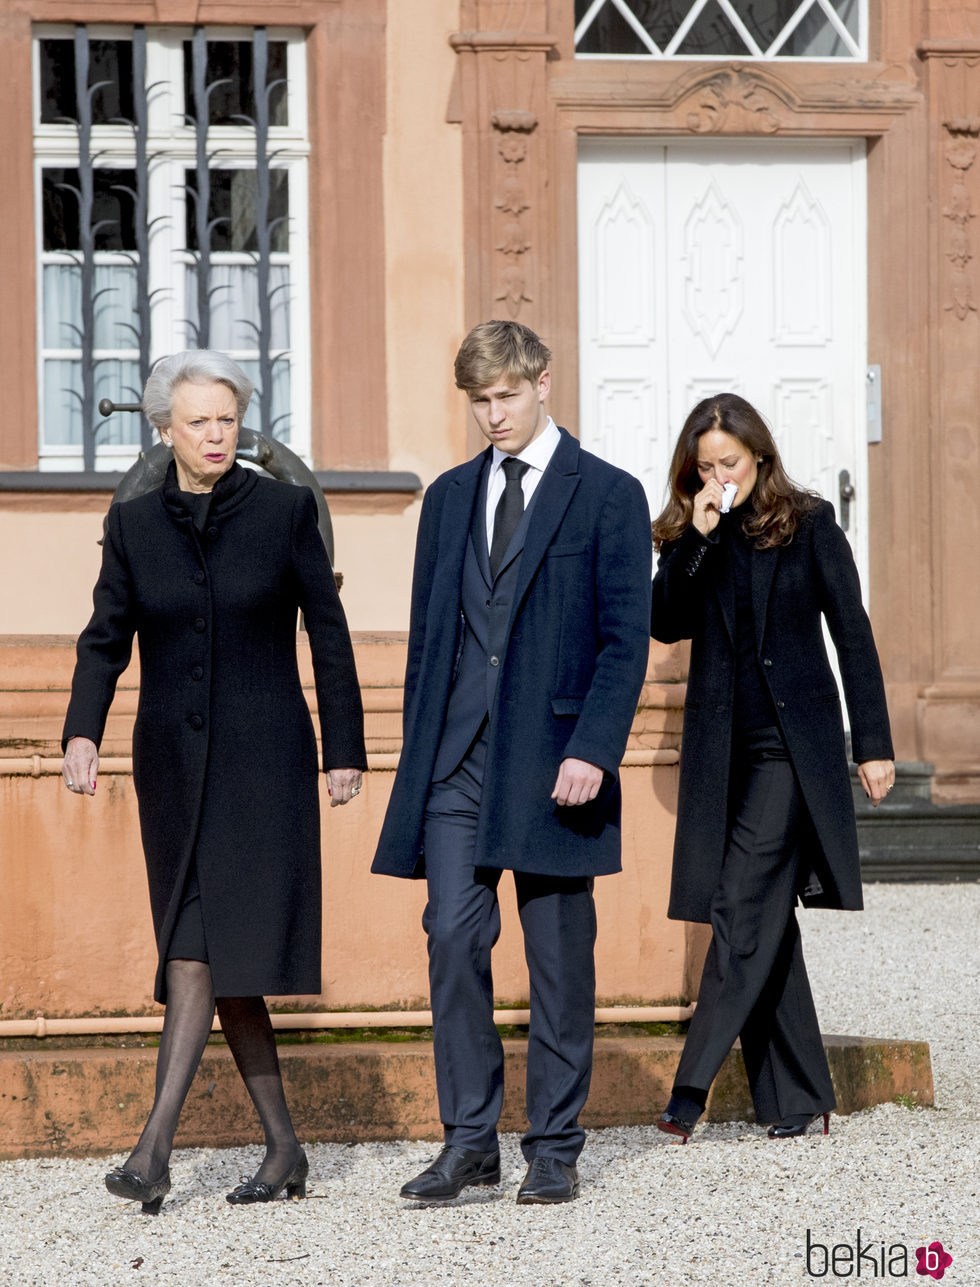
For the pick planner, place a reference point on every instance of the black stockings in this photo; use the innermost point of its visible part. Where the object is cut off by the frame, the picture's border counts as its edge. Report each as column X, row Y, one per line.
column 186, row 1027
column 248, row 1031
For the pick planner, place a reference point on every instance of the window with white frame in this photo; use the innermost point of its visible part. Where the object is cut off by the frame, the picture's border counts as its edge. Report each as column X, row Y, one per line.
column 172, row 212
column 744, row 29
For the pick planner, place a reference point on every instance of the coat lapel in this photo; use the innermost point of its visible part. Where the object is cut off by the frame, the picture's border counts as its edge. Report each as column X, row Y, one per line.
column 725, row 589
column 478, row 525
column 454, row 528
column 763, row 570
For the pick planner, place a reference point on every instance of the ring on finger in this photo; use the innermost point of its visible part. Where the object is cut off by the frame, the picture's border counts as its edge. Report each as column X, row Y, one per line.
column 355, row 790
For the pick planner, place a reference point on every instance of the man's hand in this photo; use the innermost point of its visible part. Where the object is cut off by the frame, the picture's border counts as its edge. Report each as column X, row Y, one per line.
column 578, row 782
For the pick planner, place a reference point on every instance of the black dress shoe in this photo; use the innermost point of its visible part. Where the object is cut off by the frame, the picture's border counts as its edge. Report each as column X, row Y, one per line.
column 452, row 1171
column 129, row 1184
column 548, row 1180
column 294, row 1182
column 791, row 1128
column 680, row 1117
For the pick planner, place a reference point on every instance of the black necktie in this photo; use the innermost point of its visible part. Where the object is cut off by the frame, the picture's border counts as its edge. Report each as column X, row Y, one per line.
column 509, row 511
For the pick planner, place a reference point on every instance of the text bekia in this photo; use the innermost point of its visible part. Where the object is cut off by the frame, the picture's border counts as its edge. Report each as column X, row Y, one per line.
column 873, row 1259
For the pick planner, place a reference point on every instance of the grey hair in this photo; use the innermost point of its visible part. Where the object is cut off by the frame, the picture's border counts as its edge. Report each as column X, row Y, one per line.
column 193, row 366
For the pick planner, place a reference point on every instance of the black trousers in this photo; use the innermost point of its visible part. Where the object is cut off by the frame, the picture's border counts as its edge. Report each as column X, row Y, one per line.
column 462, row 922
column 754, row 984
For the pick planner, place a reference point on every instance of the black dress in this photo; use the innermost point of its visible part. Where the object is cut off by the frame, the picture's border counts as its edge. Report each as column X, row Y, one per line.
column 224, row 755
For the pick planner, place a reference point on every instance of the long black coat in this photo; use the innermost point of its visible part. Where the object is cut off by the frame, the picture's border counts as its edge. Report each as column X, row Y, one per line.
column 571, row 673
column 792, row 586
column 224, row 754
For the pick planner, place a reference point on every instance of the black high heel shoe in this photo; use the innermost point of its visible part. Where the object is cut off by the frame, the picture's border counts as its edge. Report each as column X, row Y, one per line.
column 680, row 1117
column 122, row 1183
column 791, row 1128
column 252, row 1191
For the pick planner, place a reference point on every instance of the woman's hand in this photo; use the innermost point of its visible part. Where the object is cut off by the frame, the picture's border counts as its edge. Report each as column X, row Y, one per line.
column 81, row 766
column 877, row 778
column 707, row 507
column 343, row 785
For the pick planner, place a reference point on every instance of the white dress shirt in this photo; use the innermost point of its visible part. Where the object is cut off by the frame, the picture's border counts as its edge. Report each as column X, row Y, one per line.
column 536, row 454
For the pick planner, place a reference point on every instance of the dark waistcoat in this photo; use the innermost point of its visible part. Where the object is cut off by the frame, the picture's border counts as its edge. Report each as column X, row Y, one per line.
column 485, row 604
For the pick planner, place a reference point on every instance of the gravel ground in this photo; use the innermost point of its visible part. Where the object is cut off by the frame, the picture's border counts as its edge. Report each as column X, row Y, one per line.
column 731, row 1208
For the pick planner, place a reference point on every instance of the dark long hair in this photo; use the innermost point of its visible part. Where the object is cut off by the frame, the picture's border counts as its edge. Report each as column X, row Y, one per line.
column 778, row 504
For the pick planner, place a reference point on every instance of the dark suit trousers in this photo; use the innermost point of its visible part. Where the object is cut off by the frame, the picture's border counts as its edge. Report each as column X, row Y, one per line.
column 754, row 984
column 462, row 921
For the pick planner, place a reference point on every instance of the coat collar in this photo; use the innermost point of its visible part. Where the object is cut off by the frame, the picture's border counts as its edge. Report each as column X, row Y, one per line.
column 228, row 493
column 551, row 499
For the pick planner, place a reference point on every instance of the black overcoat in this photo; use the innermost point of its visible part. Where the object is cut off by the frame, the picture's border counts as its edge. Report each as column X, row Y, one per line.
column 792, row 587
column 224, row 754
column 571, row 672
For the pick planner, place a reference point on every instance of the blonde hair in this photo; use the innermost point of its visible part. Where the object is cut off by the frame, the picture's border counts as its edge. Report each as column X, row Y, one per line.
column 500, row 349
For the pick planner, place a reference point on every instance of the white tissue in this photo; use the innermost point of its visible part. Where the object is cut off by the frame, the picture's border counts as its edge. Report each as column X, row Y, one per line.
column 727, row 496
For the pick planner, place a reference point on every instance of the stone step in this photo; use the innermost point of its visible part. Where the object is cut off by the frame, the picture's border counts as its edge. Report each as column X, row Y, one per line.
column 909, row 838
column 82, row 1101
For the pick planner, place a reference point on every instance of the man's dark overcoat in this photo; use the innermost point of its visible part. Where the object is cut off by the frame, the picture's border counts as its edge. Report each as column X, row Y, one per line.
column 792, row 586
column 570, row 677
column 224, row 754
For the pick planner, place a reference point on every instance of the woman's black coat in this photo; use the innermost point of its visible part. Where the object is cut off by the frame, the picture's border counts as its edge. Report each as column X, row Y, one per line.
column 792, row 585
column 224, row 754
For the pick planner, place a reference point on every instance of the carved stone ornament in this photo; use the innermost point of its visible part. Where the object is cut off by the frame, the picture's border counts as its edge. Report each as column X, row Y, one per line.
column 734, row 101
column 960, row 153
column 511, row 129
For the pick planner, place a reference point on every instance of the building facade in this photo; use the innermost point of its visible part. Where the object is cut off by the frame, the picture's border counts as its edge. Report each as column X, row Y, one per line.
column 772, row 196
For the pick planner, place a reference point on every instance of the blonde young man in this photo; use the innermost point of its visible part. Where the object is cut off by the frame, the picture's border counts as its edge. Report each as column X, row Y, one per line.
column 527, row 651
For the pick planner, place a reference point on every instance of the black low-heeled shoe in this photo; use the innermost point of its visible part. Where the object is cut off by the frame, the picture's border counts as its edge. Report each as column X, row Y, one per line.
column 258, row 1191
column 122, row 1183
column 791, row 1128
column 680, row 1117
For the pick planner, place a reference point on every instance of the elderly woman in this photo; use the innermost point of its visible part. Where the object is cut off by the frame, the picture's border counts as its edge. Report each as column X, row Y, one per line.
column 749, row 565
column 209, row 572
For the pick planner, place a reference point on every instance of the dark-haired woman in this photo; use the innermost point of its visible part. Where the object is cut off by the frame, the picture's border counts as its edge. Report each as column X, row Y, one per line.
column 765, row 813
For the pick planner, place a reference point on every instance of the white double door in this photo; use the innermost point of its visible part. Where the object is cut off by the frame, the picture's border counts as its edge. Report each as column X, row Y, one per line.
column 707, row 267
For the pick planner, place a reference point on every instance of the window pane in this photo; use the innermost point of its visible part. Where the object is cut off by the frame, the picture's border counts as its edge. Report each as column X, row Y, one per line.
column 712, row 34
column 111, row 206
column 119, row 380
column 235, row 307
column 610, row 33
column 233, row 204
column 281, row 420
column 109, row 60
column 231, row 61
column 816, row 37
column 63, row 402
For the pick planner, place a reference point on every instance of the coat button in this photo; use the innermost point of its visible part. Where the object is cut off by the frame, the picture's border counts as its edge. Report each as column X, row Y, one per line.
column 488, row 603
column 197, row 672
column 780, row 705
column 195, row 721
column 212, row 533
column 200, row 624
column 198, row 578
column 767, row 662
column 494, row 661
